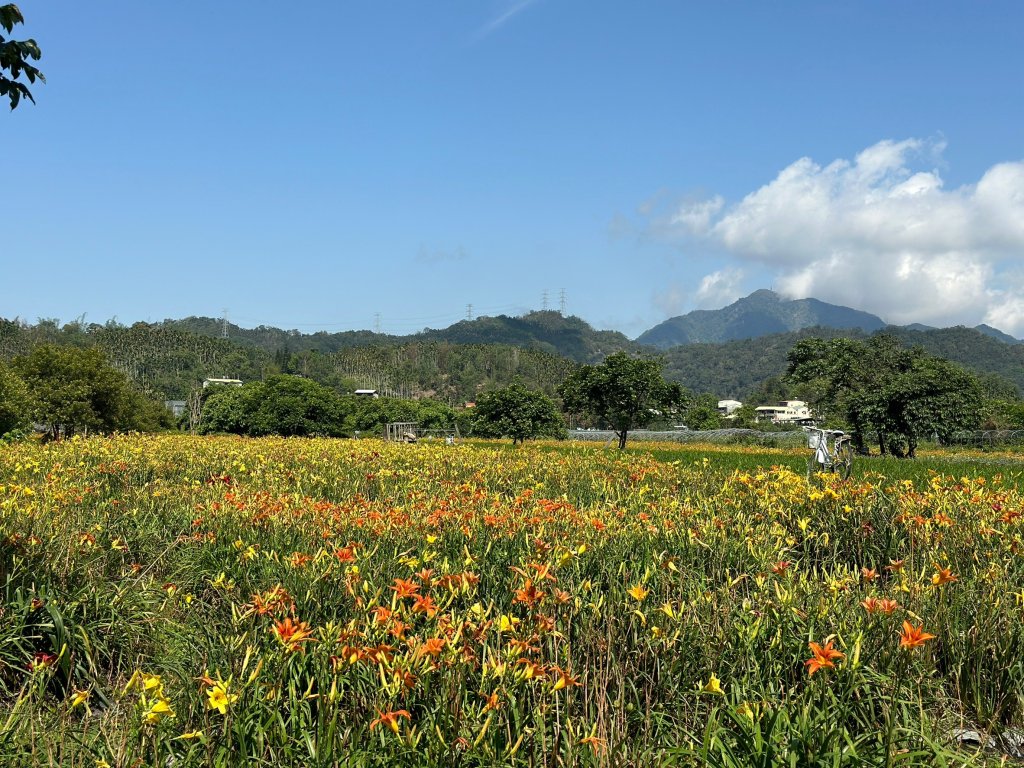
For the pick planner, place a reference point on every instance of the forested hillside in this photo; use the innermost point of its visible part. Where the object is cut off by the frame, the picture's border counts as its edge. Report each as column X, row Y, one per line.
column 759, row 314
column 169, row 360
column 741, row 368
column 548, row 331
column 159, row 358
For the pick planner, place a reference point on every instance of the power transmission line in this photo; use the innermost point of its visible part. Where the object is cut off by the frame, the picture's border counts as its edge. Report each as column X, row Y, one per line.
column 224, row 324
column 544, row 300
column 561, row 301
column 469, row 311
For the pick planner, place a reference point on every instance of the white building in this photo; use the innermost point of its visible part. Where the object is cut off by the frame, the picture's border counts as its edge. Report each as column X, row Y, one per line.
column 726, row 407
column 786, row 412
column 225, row 382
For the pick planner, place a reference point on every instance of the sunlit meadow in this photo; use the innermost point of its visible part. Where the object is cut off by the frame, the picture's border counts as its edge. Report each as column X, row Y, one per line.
column 177, row 601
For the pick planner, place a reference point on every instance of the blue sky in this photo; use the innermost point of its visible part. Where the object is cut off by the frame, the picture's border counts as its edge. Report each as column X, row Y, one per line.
column 312, row 164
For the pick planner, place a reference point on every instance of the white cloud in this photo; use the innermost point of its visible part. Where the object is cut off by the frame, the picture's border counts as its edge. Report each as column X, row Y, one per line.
column 720, row 288
column 695, row 217
column 881, row 233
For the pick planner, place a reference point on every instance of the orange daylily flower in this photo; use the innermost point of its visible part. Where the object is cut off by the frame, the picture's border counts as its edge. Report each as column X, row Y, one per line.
column 914, row 637
column 529, row 595
column 531, row 669
column 887, row 606
column 274, row 599
column 345, row 554
column 424, row 604
column 407, row 679
column 822, row 657
column 291, row 634
column 493, row 701
column 404, row 588
column 299, row 560
column 431, row 647
column 565, row 679
column 390, row 719
column 942, row 576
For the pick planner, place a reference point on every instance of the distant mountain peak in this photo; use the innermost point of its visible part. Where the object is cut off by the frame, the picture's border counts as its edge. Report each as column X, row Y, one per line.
column 995, row 333
column 761, row 313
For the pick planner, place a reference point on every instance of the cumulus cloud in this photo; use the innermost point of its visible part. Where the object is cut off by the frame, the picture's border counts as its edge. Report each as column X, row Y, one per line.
column 880, row 233
column 720, row 288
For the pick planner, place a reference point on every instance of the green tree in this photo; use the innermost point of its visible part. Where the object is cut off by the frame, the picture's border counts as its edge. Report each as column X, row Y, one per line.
column 744, row 417
column 517, row 412
column 702, row 413
column 881, row 387
column 281, row 405
column 293, row 406
column 15, row 401
column 14, row 59
column 623, row 392
column 1003, row 414
column 225, row 409
column 75, row 390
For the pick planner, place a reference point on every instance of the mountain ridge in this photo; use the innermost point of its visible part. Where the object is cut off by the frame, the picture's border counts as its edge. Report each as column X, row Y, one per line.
column 765, row 312
column 761, row 313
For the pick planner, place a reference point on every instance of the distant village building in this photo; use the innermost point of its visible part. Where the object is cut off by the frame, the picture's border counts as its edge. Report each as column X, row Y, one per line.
column 786, row 412
column 367, row 393
column 226, row 382
column 727, row 407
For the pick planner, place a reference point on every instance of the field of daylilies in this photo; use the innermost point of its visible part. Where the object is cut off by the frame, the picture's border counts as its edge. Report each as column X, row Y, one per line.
column 180, row 601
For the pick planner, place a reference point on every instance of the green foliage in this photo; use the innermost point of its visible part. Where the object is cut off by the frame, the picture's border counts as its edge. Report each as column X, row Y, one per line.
column 281, row 405
column 14, row 59
column 880, row 387
column 293, row 406
column 702, row 413
column 519, row 413
column 1003, row 414
column 548, row 331
column 624, row 392
column 171, row 358
column 15, row 401
column 75, row 390
column 369, row 415
column 740, row 369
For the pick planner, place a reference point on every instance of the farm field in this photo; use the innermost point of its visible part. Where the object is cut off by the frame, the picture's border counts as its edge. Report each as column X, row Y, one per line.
column 171, row 600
